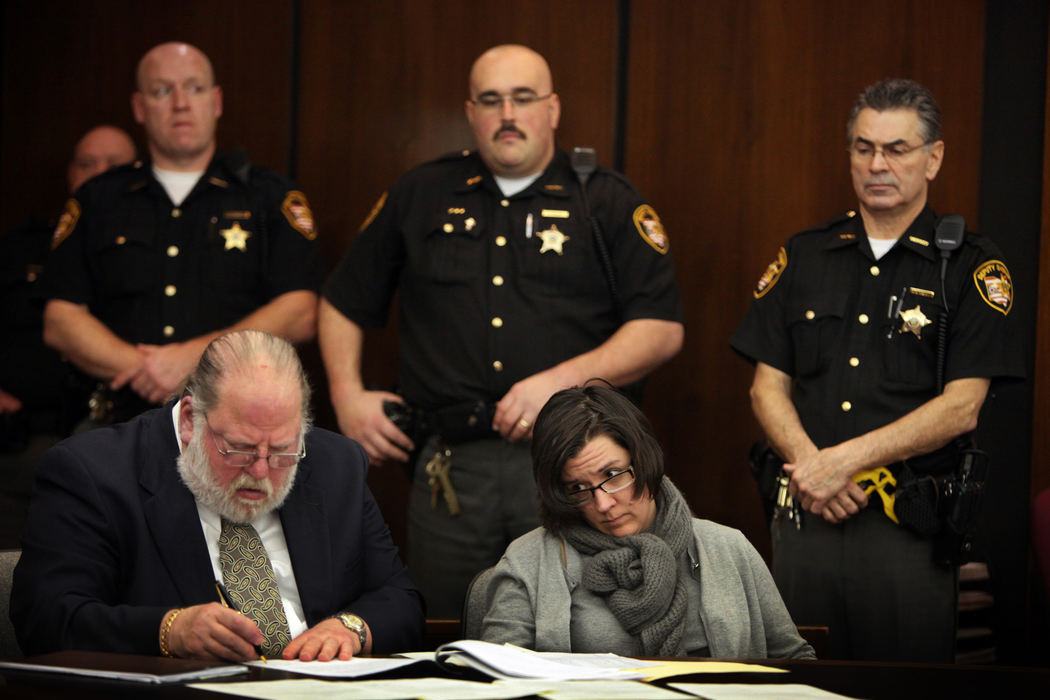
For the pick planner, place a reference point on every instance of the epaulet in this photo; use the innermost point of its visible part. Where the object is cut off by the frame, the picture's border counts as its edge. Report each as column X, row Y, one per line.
column 832, row 222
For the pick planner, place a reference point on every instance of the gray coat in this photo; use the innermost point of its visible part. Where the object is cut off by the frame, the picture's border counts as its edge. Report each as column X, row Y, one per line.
column 743, row 616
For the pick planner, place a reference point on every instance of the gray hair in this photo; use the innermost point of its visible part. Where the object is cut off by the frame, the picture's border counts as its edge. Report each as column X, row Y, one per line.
column 900, row 93
column 234, row 355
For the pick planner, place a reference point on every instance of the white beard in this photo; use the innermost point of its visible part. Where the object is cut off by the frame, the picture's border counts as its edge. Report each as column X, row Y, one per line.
column 195, row 471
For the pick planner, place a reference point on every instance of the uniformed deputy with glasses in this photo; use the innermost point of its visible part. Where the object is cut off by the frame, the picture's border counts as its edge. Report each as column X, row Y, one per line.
column 220, row 526
column 843, row 332
column 506, row 296
column 620, row 564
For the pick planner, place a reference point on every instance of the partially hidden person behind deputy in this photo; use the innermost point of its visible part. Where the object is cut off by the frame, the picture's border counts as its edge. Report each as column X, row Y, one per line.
column 844, row 330
column 620, row 564
column 507, row 295
column 37, row 406
column 132, row 528
column 153, row 260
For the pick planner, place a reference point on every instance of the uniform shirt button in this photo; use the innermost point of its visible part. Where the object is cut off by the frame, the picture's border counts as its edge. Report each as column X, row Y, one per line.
column 501, row 241
column 447, row 228
column 853, row 361
column 173, row 251
column 874, row 270
column 497, row 280
column 810, row 315
column 121, row 240
column 498, row 366
column 863, row 318
column 504, row 203
column 30, row 277
column 170, row 290
column 176, row 213
column 497, row 322
column 169, row 331
column 846, row 406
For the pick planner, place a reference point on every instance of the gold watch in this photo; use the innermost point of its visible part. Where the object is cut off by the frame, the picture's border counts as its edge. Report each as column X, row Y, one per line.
column 355, row 625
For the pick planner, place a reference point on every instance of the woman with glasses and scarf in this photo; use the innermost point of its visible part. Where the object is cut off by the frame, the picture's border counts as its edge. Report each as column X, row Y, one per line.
column 620, row 564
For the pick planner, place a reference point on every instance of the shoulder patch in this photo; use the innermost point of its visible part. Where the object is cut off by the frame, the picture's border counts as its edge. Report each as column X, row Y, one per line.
column 995, row 285
column 650, row 228
column 66, row 223
column 376, row 208
column 297, row 210
column 772, row 274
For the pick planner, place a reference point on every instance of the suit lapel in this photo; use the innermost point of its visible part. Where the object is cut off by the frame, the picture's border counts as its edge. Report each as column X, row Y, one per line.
column 171, row 513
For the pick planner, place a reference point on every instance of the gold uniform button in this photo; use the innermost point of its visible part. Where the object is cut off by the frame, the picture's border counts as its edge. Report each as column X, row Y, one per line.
column 501, row 241
column 853, row 361
column 176, row 213
column 497, row 322
column 498, row 366
column 173, row 251
column 447, row 228
column 874, row 270
column 497, row 280
column 810, row 315
column 863, row 318
column 31, row 277
column 169, row 291
column 846, row 406
column 169, row 331
column 121, row 240
column 504, row 203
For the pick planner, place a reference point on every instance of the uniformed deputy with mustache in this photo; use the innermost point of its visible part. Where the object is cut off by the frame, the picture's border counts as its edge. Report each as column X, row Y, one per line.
column 842, row 331
column 504, row 299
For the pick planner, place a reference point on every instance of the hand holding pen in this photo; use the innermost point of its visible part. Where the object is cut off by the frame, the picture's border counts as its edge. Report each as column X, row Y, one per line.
column 228, row 602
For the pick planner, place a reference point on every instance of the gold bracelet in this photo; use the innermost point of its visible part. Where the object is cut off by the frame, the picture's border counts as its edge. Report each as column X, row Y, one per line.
column 165, row 629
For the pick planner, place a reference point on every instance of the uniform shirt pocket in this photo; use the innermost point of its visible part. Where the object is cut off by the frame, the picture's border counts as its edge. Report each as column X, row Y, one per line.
column 815, row 326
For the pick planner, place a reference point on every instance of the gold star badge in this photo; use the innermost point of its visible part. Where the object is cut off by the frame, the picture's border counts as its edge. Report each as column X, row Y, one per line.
column 553, row 239
column 914, row 320
column 236, row 237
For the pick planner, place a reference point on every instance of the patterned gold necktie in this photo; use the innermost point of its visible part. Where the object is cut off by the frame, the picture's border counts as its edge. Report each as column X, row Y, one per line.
column 248, row 576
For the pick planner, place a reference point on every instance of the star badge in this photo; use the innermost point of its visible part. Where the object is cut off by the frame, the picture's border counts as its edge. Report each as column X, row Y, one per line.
column 553, row 239
column 236, row 237
column 914, row 320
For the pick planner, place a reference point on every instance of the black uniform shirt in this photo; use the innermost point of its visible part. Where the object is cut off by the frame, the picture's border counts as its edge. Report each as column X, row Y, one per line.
column 483, row 303
column 822, row 314
column 156, row 273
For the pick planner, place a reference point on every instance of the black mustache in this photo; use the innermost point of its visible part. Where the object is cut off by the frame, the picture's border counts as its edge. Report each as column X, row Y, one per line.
column 508, row 127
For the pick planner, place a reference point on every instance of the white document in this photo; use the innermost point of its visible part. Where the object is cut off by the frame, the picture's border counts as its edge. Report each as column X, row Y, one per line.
column 744, row 691
column 354, row 668
column 509, row 661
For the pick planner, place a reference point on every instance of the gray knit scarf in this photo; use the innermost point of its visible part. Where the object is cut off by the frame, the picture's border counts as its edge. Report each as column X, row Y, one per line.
column 637, row 575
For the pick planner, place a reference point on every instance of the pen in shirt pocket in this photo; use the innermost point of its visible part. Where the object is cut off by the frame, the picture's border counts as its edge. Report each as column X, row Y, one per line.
column 227, row 601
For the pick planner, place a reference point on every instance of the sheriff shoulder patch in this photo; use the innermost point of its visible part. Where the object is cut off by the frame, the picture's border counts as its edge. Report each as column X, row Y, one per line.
column 995, row 286
column 650, row 228
column 772, row 274
column 66, row 223
column 297, row 211
column 376, row 208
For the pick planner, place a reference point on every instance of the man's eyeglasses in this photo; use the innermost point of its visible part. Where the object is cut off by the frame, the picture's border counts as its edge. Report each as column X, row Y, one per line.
column 244, row 458
column 865, row 151
column 519, row 98
column 579, row 495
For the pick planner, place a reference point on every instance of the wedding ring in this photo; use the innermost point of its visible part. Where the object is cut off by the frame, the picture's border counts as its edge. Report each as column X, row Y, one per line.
column 524, row 423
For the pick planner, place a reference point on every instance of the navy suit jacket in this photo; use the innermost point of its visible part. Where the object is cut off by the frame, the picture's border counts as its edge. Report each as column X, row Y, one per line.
column 113, row 540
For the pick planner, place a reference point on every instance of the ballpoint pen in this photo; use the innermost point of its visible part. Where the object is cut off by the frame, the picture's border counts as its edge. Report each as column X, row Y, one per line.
column 224, row 598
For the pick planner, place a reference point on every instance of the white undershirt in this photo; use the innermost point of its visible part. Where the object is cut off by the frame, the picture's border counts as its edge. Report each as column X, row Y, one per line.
column 272, row 535
column 177, row 184
column 510, row 186
column 880, row 246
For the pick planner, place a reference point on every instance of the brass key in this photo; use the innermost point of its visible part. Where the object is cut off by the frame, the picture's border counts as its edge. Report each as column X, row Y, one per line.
column 786, row 505
column 438, row 469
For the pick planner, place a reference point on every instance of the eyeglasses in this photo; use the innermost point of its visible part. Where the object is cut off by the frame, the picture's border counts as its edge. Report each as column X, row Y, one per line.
column 521, row 99
column 579, row 495
column 897, row 151
column 244, row 458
